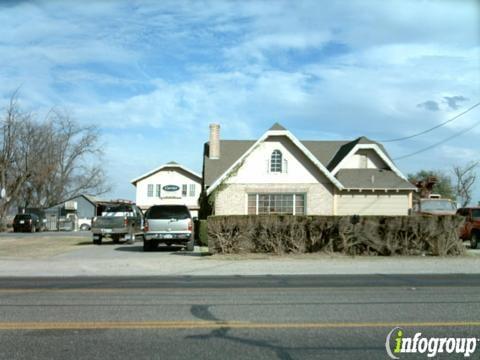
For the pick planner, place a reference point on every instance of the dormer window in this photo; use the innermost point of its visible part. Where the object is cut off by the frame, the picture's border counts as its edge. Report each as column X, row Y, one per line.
column 276, row 162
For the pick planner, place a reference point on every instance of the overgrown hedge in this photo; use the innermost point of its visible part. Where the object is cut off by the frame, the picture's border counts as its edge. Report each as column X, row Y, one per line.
column 368, row 235
column 200, row 232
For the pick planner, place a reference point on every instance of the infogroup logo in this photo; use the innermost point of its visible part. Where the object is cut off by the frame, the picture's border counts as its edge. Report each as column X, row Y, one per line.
column 397, row 344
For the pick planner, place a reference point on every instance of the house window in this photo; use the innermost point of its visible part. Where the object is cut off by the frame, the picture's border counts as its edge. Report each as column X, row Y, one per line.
column 192, row 190
column 299, row 204
column 150, row 190
column 293, row 204
column 252, row 204
column 159, row 190
column 276, row 162
column 363, row 161
column 184, row 190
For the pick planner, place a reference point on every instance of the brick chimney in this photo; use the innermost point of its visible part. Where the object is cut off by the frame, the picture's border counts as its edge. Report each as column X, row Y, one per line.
column 214, row 152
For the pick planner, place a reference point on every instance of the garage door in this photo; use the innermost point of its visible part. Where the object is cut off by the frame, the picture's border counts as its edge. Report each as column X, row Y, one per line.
column 372, row 204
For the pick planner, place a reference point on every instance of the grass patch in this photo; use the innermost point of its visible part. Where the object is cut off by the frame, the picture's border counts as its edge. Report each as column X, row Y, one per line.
column 37, row 247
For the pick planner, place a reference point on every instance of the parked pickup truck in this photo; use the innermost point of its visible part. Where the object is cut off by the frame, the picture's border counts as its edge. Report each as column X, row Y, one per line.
column 435, row 207
column 168, row 224
column 117, row 222
column 471, row 228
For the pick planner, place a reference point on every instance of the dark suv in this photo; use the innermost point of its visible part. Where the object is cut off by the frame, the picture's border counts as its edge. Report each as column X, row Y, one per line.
column 168, row 224
column 26, row 223
column 471, row 228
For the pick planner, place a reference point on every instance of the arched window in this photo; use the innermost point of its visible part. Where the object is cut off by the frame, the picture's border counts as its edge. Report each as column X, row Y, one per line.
column 276, row 161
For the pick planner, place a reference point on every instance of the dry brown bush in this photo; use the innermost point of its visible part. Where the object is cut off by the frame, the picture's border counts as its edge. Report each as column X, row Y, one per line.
column 369, row 235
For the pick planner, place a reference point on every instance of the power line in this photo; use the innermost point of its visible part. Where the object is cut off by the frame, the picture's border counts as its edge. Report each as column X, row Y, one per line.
column 440, row 142
column 433, row 128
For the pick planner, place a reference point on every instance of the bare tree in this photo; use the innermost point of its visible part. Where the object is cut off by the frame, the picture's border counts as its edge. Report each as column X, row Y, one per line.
column 16, row 153
column 465, row 177
column 45, row 162
column 72, row 164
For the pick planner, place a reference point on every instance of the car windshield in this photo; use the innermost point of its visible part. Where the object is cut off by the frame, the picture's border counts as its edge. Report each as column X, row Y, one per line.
column 437, row 205
column 23, row 217
column 168, row 212
column 476, row 214
column 118, row 208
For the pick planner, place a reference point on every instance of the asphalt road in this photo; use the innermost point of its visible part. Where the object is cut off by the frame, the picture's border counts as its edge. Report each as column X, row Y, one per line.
column 262, row 317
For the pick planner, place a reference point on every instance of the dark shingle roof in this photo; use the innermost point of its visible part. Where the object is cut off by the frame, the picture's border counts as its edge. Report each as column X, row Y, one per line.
column 347, row 147
column 372, row 179
column 277, row 126
column 324, row 151
column 329, row 153
column 230, row 151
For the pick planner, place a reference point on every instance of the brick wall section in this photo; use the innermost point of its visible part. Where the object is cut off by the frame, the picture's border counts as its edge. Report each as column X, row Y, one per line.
column 232, row 200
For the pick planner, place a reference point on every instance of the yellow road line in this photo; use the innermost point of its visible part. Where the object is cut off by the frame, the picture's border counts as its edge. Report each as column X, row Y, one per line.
column 217, row 325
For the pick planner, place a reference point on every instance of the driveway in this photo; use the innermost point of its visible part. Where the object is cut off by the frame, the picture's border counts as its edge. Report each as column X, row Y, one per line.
column 73, row 254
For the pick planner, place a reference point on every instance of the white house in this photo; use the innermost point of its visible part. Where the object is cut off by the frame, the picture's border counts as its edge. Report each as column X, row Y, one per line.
column 279, row 173
column 167, row 185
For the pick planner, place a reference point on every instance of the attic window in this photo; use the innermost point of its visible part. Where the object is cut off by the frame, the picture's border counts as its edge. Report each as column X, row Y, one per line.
column 363, row 161
column 276, row 162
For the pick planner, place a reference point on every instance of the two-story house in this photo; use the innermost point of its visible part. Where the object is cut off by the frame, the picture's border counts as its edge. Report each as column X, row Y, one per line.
column 169, row 184
column 281, row 174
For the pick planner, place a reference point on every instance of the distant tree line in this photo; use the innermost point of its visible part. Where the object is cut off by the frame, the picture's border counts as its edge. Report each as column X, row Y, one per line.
column 43, row 162
column 457, row 185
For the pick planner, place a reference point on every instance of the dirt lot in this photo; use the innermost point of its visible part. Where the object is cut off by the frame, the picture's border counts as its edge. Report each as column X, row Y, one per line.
column 40, row 245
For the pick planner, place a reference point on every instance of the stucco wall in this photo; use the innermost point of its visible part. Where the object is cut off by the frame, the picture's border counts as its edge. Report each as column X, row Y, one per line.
column 368, row 203
column 299, row 170
column 254, row 176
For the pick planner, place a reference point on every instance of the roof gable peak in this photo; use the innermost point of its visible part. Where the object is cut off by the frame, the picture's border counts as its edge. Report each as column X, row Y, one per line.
column 277, row 127
column 171, row 164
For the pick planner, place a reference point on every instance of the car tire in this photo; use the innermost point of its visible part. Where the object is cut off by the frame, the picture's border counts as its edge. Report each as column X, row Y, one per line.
column 190, row 245
column 474, row 241
column 98, row 241
column 131, row 236
column 84, row 227
column 148, row 245
column 116, row 239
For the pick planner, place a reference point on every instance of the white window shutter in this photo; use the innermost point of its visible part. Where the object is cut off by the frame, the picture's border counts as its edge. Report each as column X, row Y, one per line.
column 285, row 166
column 268, row 166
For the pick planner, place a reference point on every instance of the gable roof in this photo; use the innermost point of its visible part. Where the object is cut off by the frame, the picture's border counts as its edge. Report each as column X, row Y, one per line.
column 171, row 164
column 277, row 126
column 267, row 134
column 364, row 143
column 231, row 150
column 347, row 147
column 94, row 200
column 327, row 155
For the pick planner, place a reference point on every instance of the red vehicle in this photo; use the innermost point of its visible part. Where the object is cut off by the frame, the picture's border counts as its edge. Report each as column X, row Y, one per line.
column 471, row 228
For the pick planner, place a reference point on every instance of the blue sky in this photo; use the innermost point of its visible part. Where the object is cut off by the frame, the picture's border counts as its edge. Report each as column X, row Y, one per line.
column 153, row 75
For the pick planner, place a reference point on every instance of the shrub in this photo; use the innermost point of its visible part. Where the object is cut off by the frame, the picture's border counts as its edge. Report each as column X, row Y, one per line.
column 369, row 235
column 202, row 233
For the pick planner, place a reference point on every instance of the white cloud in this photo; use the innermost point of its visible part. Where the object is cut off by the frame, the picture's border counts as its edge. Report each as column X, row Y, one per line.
column 172, row 67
